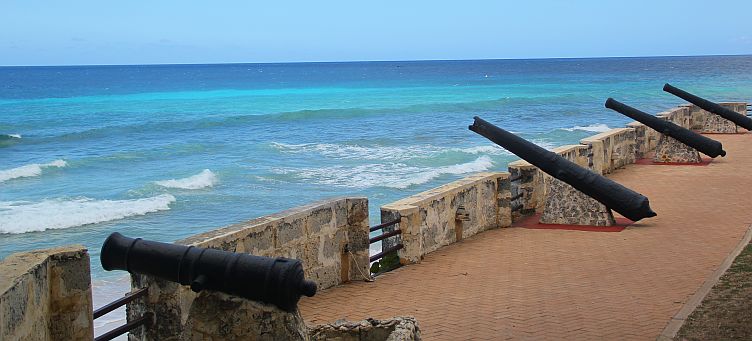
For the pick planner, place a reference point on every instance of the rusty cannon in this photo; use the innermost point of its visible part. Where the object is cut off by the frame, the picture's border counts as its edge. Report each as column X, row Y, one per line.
column 278, row 281
column 613, row 195
column 712, row 107
column 690, row 138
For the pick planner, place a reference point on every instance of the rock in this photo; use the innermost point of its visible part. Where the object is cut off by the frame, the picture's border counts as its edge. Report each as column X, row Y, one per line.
column 401, row 328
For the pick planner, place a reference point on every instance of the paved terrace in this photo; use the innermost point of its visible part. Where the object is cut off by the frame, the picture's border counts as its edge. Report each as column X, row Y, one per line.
column 517, row 283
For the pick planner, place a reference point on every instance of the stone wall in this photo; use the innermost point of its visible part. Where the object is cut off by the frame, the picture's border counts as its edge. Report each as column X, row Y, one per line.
column 646, row 139
column 611, row 150
column 429, row 221
column 318, row 234
column 534, row 184
column 46, row 295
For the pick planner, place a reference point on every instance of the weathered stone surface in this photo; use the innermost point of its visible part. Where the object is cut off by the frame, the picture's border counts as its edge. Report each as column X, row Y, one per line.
column 428, row 219
column 568, row 206
column 215, row 316
column 46, row 295
column 719, row 125
column 707, row 122
column 611, row 150
column 671, row 150
column 390, row 215
column 394, row 329
column 529, row 183
column 165, row 299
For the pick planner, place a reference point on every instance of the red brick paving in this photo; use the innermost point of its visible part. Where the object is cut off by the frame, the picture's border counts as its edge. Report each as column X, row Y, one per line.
column 527, row 284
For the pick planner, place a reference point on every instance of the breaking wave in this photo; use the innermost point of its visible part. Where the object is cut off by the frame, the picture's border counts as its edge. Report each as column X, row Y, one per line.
column 22, row 217
column 393, row 175
column 27, row 171
column 201, row 180
column 597, row 128
column 9, row 136
column 396, row 153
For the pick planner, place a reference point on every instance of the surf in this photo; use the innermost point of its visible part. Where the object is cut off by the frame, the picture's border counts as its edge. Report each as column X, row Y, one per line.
column 22, row 217
column 28, row 171
column 201, row 180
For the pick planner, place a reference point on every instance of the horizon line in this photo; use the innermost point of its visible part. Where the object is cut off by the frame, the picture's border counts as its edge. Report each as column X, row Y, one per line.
column 378, row 61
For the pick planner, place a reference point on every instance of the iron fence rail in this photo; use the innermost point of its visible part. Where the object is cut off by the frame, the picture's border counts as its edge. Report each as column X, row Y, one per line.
column 383, row 236
column 147, row 319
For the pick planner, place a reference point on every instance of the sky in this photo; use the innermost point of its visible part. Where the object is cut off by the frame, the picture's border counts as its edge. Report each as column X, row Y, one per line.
column 73, row 32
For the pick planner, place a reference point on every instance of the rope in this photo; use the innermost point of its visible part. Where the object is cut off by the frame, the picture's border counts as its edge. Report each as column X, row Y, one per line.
column 367, row 278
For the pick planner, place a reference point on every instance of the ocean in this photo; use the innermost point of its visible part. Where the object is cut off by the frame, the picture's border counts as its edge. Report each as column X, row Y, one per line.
column 163, row 152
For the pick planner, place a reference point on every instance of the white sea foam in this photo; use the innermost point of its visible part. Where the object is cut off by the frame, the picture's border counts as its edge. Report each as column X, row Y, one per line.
column 27, row 171
column 394, row 175
column 395, row 153
column 17, row 136
column 201, row 180
column 22, row 217
column 596, row 128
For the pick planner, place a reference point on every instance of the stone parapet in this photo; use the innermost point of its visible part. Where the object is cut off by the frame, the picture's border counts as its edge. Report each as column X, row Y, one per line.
column 46, row 295
column 646, row 139
column 429, row 220
column 611, row 150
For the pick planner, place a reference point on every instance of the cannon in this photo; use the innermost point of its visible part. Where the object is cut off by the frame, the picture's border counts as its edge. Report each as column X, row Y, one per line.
column 715, row 108
column 627, row 202
column 278, row 281
column 701, row 143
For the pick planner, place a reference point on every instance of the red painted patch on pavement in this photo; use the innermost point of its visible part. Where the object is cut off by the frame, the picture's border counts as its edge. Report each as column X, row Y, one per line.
column 532, row 222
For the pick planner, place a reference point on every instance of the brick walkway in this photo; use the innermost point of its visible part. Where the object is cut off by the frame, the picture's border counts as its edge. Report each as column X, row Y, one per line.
column 518, row 283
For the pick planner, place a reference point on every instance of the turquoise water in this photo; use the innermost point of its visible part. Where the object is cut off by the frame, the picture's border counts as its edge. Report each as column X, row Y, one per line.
column 86, row 151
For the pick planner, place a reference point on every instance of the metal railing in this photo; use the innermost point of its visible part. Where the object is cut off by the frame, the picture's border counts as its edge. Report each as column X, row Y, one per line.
column 383, row 236
column 147, row 319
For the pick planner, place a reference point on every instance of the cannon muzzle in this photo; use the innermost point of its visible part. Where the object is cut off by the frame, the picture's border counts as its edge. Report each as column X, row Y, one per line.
column 627, row 202
column 712, row 107
column 701, row 143
column 278, row 281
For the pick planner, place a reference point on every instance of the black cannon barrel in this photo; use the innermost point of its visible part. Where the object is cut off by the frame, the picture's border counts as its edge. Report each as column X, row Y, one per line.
column 629, row 203
column 715, row 108
column 703, row 144
column 278, row 281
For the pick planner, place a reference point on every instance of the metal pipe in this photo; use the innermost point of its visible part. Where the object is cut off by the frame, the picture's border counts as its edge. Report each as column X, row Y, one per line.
column 120, row 302
column 385, row 252
column 384, row 236
column 383, row 225
column 147, row 319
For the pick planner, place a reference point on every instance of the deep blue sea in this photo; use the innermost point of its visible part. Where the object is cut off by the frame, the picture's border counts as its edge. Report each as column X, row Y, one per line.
column 167, row 151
